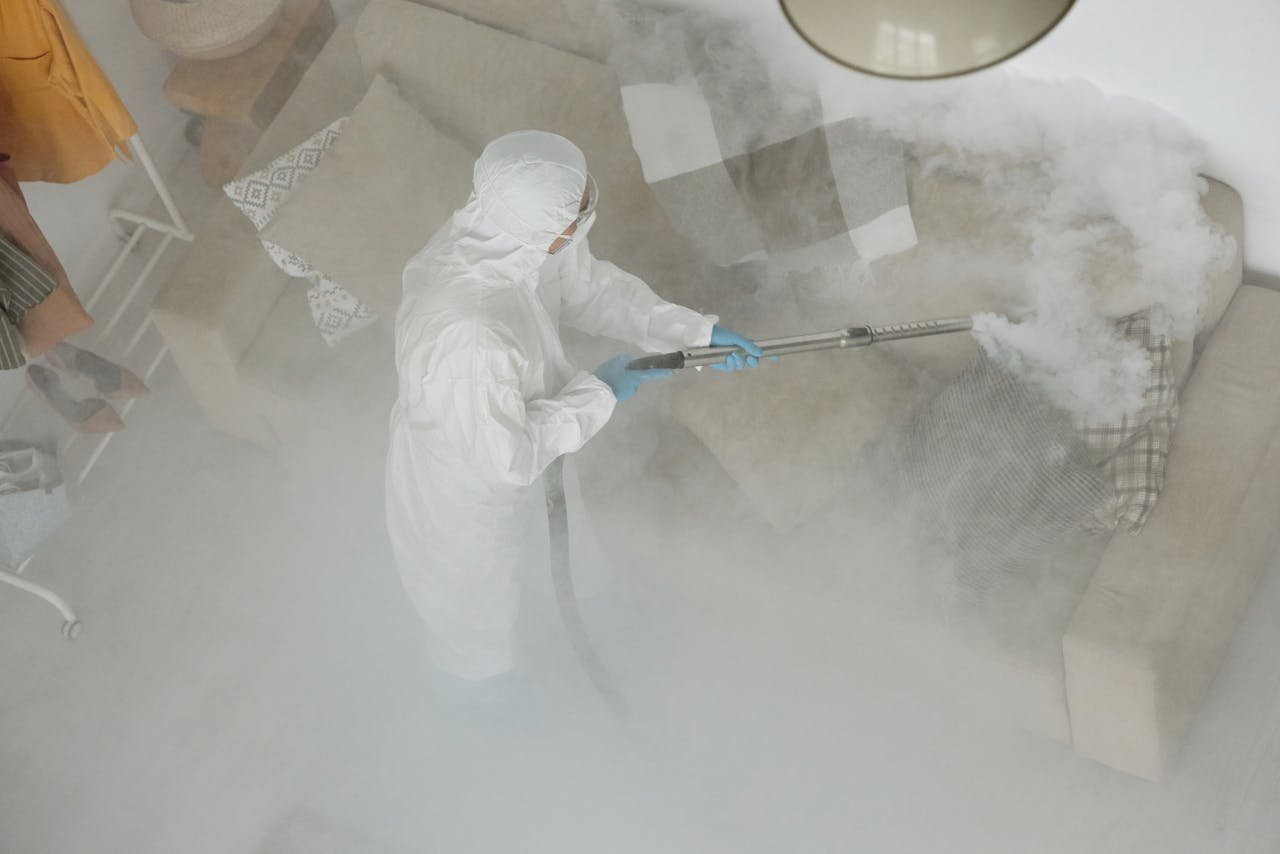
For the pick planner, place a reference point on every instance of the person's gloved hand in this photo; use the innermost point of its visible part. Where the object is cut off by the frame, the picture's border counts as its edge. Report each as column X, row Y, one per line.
column 625, row 383
column 750, row 354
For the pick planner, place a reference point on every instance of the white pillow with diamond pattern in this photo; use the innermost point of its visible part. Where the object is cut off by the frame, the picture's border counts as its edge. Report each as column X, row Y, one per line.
column 335, row 311
column 259, row 194
column 288, row 261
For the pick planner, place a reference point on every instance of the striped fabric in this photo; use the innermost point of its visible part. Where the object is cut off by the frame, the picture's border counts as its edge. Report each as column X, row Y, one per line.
column 23, row 285
column 61, row 315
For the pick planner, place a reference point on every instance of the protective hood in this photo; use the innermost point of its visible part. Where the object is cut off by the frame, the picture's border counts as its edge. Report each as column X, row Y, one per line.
column 488, row 397
column 527, row 190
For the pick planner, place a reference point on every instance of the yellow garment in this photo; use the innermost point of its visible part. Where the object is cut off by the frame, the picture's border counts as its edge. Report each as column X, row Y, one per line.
column 60, row 118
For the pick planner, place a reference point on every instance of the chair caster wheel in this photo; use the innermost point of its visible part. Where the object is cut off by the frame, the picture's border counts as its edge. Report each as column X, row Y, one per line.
column 71, row 629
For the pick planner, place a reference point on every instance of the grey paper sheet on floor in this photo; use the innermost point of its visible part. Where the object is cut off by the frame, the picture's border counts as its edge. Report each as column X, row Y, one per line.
column 996, row 477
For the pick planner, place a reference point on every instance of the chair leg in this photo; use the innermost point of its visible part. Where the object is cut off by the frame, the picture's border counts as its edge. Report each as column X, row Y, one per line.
column 70, row 624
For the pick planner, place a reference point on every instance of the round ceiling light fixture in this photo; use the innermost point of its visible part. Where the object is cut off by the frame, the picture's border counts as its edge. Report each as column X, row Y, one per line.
column 923, row 39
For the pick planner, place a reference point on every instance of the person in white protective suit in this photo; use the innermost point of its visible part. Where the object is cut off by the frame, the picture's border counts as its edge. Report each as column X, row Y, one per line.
column 487, row 398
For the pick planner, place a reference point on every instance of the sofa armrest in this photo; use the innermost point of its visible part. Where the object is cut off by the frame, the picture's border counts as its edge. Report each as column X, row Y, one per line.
column 1159, row 613
column 1223, row 205
column 212, row 309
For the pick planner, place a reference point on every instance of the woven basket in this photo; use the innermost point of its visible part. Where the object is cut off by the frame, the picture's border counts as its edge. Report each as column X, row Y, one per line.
column 206, row 29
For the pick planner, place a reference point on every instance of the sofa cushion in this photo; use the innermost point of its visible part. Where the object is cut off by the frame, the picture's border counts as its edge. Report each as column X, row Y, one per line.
column 379, row 194
column 966, row 261
column 479, row 83
column 211, row 311
column 277, row 371
column 224, row 283
column 791, row 434
column 1113, row 267
column 336, row 313
column 972, row 251
column 259, row 194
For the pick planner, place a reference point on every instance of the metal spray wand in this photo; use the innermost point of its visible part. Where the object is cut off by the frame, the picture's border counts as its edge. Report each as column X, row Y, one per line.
column 853, row 336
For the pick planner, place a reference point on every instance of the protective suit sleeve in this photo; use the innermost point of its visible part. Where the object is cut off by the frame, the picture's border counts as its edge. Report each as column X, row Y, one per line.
column 601, row 299
column 474, row 393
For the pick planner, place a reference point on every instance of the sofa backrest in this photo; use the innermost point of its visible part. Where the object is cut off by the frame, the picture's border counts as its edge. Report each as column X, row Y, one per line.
column 1223, row 205
column 477, row 83
column 575, row 26
column 480, row 82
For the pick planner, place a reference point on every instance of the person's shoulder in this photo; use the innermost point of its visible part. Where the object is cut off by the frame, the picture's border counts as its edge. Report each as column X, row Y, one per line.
column 467, row 346
column 467, row 328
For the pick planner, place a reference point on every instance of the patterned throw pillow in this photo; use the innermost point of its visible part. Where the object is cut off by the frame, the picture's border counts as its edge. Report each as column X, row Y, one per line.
column 1134, row 452
column 258, row 195
column 336, row 313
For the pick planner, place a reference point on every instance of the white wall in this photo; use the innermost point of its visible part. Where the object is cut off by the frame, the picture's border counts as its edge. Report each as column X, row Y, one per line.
column 74, row 216
column 1213, row 64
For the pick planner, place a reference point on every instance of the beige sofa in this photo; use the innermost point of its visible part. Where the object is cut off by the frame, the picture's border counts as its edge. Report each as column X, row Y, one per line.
column 1117, row 668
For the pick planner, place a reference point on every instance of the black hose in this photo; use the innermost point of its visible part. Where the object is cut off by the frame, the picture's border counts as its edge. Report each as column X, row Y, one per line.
column 567, row 597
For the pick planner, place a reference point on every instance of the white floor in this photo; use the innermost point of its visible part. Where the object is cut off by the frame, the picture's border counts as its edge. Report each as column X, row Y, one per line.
column 249, row 681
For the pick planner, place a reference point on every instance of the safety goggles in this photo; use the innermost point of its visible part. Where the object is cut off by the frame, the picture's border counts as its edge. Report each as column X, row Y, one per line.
column 585, row 216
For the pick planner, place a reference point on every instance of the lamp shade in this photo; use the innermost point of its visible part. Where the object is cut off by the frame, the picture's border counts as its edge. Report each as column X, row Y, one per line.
column 921, row 39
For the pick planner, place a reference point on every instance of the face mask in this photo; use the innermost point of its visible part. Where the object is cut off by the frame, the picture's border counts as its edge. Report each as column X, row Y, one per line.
column 586, row 218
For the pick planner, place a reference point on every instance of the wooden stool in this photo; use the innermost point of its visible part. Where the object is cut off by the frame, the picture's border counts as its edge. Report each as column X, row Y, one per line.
column 239, row 96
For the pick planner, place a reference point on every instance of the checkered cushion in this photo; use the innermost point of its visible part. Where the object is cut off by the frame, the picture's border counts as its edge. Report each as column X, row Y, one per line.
column 1134, row 452
column 789, row 183
column 334, row 310
column 997, row 478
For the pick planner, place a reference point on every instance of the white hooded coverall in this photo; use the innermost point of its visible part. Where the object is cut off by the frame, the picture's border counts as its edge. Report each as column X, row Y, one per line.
column 487, row 398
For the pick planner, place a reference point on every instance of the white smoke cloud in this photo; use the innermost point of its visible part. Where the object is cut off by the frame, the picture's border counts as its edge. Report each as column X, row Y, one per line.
column 1106, row 191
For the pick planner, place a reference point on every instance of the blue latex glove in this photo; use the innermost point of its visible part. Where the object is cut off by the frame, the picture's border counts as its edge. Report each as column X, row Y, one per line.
column 750, row 354
column 623, row 382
